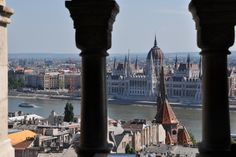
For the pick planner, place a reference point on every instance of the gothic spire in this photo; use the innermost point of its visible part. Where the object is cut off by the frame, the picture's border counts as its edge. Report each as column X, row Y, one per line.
column 114, row 64
column 125, row 62
column 155, row 41
column 162, row 89
column 125, row 66
column 128, row 64
column 165, row 114
column 136, row 63
column 176, row 62
column 188, row 60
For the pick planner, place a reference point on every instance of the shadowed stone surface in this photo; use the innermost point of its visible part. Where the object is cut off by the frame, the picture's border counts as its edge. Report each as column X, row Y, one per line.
column 5, row 145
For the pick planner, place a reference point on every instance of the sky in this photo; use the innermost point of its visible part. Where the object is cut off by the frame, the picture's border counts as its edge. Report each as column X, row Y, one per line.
column 45, row 26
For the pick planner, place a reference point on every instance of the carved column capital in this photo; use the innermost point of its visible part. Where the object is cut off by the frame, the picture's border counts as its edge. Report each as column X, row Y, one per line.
column 5, row 13
column 93, row 22
column 215, row 22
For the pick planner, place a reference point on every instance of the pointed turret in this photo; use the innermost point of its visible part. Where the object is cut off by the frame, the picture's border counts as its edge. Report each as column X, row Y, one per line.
column 176, row 62
column 136, row 63
column 184, row 137
column 128, row 65
column 114, row 64
column 162, row 89
column 165, row 114
column 125, row 66
column 188, row 60
column 125, row 62
column 155, row 41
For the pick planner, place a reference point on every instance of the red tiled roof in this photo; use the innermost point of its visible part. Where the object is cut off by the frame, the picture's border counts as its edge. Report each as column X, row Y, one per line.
column 23, row 145
column 133, row 127
column 183, row 137
column 165, row 114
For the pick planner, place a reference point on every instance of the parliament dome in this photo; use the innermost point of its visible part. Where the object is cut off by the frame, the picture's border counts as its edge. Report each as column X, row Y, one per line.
column 156, row 52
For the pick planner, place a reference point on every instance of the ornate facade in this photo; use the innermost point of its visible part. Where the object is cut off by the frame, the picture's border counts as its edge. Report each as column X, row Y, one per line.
column 128, row 81
column 184, row 85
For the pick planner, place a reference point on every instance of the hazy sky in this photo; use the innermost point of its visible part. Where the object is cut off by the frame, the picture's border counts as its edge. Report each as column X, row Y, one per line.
column 46, row 26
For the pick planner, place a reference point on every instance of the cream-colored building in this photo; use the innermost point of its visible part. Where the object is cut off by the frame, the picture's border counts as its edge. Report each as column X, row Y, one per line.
column 51, row 80
column 153, row 134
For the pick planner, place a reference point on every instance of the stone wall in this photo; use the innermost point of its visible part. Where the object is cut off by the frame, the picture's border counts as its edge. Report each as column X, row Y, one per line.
column 6, row 149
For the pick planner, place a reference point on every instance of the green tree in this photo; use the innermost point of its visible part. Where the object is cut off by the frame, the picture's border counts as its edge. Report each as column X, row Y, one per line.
column 68, row 113
column 193, row 139
column 20, row 83
column 129, row 150
column 15, row 83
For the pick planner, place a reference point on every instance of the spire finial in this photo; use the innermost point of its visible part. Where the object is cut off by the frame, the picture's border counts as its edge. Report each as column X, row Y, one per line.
column 136, row 63
column 188, row 60
column 155, row 41
column 176, row 61
column 162, row 90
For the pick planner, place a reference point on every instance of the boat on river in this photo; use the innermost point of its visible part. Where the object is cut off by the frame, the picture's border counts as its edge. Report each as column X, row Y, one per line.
column 27, row 105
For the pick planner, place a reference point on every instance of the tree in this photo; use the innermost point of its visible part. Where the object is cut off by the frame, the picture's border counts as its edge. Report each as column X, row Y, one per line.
column 193, row 139
column 15, row 83
column 129, row 150
column 68, row 113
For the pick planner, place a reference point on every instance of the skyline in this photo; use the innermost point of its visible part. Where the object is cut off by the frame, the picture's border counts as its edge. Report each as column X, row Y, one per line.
column 46, row 26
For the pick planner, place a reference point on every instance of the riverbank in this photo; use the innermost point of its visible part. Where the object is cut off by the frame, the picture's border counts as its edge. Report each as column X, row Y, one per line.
column 15, row 94
column 110, row 101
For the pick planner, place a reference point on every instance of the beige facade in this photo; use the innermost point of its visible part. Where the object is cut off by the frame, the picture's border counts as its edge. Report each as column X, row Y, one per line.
column 137, row 141
column 152, row 135
column 5, row 144
column 51, row 81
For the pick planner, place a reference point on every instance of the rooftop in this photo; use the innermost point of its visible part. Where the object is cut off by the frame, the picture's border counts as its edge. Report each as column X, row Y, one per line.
column 21, row 136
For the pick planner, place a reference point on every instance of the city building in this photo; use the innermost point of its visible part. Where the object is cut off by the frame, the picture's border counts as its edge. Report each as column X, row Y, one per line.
column 215, row 34
column 22, row 142
column 128, row 81
column 184, row 84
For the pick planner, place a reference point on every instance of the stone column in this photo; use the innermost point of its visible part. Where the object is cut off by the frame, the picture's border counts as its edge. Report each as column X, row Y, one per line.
column 93, row 22
column 5, row 145
column 215, row 34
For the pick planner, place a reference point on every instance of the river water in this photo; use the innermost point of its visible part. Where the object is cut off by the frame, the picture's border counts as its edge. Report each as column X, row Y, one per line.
column 190, row 117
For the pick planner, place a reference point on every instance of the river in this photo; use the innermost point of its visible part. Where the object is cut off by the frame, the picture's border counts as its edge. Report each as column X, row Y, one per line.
column 190, row 117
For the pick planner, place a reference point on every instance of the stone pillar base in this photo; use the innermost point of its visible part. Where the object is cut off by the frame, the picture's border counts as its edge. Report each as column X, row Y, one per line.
column 6, row 149
column 206, row 151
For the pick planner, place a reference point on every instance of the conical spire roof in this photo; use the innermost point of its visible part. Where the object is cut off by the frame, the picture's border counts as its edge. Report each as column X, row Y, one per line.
column 155, row 52
column 155, row 41
column 184, row 137
column 165, row 114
